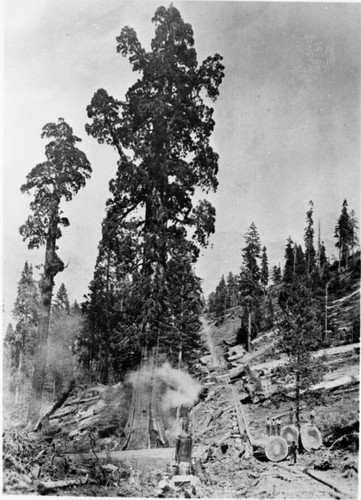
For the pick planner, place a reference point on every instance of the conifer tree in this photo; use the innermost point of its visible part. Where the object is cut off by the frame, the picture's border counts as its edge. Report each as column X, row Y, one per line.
column 354, row 241
column 323, row 256
column 26, row 307
column 231, row 290
column 75, row 307
column 343, row 234
column 250, row 296
column 60, row 177
column 310, row 252
column 184, row 306
column 9, row 336
column 249, row 286
column 165, row 125
column 276, row 275
column 289, row 269
column 211, row 303
column 300, row 265
column 268, row 313
column 221, row 299
column 161, row 133
column 264, row 268
column 10, row 354
column 301, row 331
column 20, row 342
column 251, row 252
column 61, row 303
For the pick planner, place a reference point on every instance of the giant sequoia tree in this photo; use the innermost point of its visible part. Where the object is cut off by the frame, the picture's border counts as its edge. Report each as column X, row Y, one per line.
column 161, row 132
column 60, row 177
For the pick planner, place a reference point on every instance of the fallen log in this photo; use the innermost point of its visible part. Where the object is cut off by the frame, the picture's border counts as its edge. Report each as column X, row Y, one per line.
column 64, row 412
column 64, row 396
column 238, row 350
column 342, row 381
column 331, row 385
column 237, row 372
column 332, row 351
column 241, row 426
column 300, row 474
column 315, row 476
column 351, row 434
column 347, row 391
column 276, row 449
column 286, row 413
column 290, row 434
column 259, row 449
column 311, row 437
column 48, row 486
column 81, row 401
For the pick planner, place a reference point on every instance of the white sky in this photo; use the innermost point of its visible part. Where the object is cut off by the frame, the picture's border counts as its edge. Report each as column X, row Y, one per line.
column 287, row 119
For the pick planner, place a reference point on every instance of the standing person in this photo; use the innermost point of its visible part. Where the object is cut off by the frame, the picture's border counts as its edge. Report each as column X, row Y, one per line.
column 293, row 451
column 273, row 427
column 268, row 426
column 312, row 417
column 292, row 415
column 278, row 426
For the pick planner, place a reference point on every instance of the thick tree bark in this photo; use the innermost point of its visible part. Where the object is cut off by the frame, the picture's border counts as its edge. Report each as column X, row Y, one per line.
column 105, row 372
column 52, row 266
column 298, row 399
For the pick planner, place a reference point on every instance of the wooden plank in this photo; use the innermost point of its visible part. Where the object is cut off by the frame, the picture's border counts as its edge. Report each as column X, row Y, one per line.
column 331, row 384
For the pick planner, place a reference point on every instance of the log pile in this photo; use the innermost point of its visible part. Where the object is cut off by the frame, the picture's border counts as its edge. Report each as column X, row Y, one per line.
column 92, row 419
column 262, row 380
column 221, row 431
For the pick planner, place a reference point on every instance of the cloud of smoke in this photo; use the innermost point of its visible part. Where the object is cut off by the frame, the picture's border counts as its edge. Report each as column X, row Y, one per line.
column 171, row 389
column 182, row 389
column 176, row 387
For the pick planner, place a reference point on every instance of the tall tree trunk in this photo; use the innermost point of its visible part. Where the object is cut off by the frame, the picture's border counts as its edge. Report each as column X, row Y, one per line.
column 19, row 379
column 326, row 297
column 298, row 399
column 52, row 266
column 105, row 375
column 249, row 331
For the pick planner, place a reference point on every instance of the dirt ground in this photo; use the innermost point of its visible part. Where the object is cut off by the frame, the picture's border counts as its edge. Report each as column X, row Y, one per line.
column 236, row 477
column 225, row 470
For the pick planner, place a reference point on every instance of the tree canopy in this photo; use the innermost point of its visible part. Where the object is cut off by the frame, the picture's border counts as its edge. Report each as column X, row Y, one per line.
column 161, row 132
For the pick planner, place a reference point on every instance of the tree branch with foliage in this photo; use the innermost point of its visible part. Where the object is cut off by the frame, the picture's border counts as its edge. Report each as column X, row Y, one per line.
column 58, row 178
